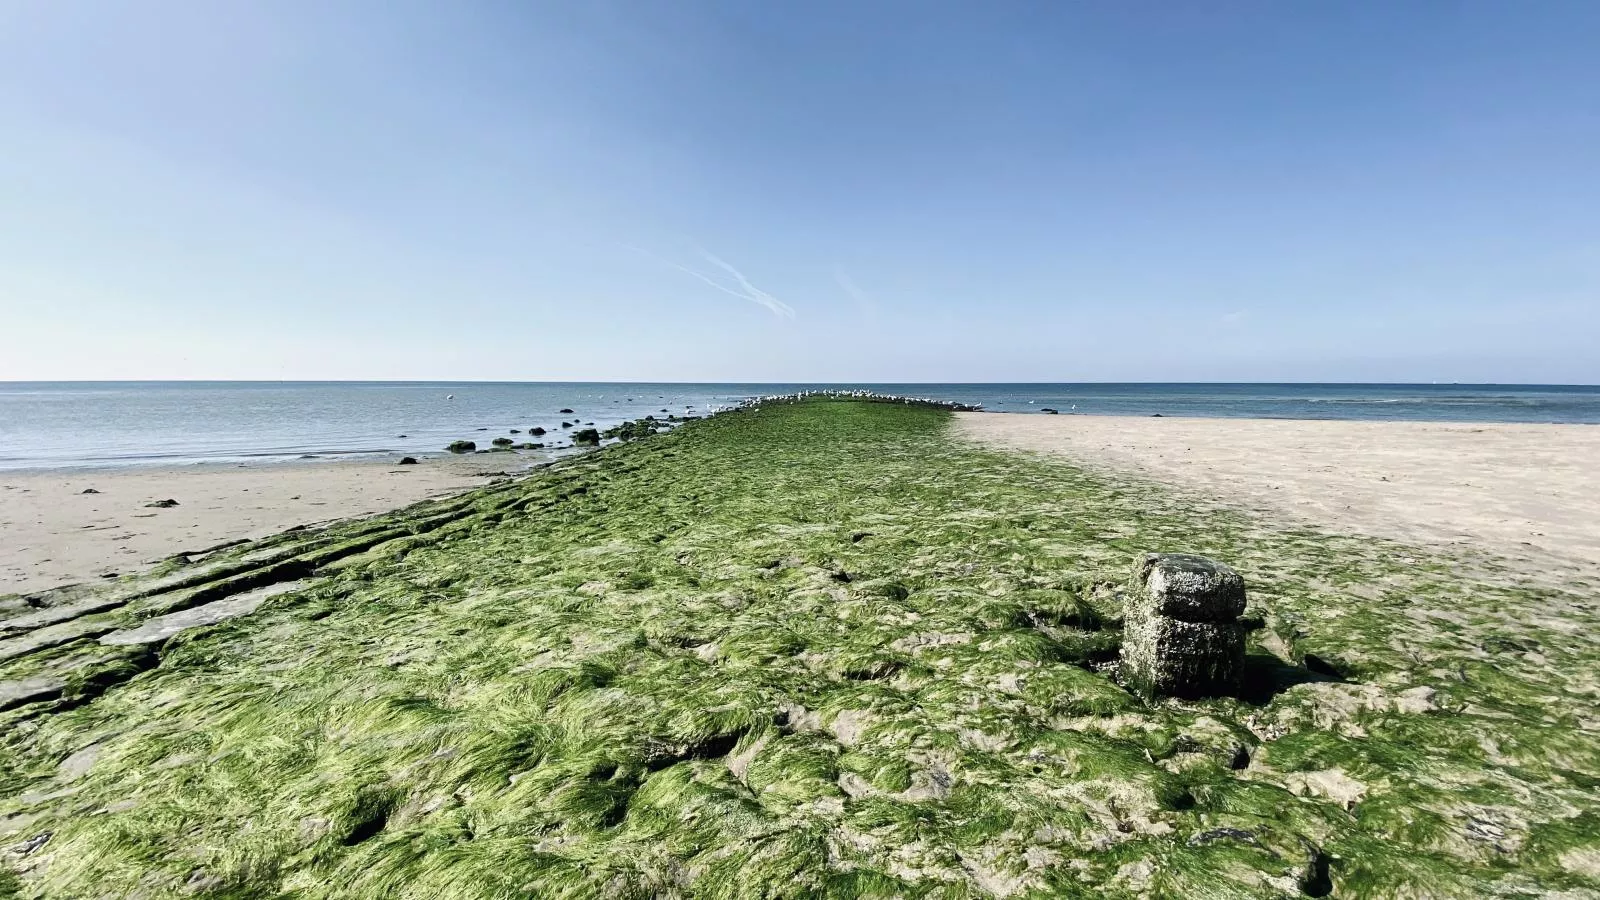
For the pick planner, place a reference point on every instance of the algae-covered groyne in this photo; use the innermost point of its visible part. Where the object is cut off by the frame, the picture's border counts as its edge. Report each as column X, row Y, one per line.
column 802, row 649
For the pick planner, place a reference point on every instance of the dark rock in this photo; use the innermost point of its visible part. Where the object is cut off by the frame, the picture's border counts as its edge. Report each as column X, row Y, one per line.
column 1048, row 411
column 536, row 432
column 400, row 435
column 161, row 504
column 502, row 442
column 1498, row 644
column 88, row 491
column 462, row 446
column 859, row 536
column 1156, row 416
column 1240, row 758
column 1223, row 834
column 32, row 844
column 407, row 461
column 564, row 411
column 586, row 437
column 516, row 431
column 566, row 424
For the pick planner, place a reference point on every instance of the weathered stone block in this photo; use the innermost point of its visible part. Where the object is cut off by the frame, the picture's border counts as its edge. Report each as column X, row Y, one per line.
column 1181, row 636
column 1188, row 587
column 1170, row 657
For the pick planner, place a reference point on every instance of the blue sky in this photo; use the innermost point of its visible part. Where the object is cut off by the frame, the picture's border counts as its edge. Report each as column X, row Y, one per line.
column 888, row 191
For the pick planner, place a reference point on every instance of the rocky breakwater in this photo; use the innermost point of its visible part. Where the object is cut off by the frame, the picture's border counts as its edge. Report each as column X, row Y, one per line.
column 1182, row 634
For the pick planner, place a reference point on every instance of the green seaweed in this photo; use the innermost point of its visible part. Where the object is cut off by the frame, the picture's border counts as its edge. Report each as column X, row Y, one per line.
column 807, row 649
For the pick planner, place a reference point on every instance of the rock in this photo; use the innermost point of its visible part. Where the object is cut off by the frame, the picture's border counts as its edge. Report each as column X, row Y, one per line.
column 1182, row 636
column 1223, row 834
column 159, row 629
column 399, row 435
column 1188, row 587
column 516, row 431
column 566, row 424
column 502, row 442
column 29, row 690
column 536, row 432
column 162, row 504
column 1048, row 411
column 564, row 411
column 462, row 446
column 407, row 461
column 88, row 491
column 32, row 844
column 586, row 437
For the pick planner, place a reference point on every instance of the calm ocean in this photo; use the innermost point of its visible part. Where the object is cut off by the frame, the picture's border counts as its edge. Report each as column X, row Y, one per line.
column 93, row 424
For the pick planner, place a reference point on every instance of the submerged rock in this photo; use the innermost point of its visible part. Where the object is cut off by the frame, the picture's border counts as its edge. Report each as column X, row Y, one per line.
column 462, row 446
column 564, row 410
column 536, row 432
column 587, row 436
column 1182, row 636
column 502, row 442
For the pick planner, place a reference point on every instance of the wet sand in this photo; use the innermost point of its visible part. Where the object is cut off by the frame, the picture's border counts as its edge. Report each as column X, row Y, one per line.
column 52, row 533
column 1528, row 493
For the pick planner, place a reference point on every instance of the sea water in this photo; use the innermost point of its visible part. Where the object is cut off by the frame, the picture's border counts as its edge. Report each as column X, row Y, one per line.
column 97, row 424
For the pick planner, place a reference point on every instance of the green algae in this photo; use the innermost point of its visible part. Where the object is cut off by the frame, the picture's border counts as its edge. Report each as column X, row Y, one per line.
column 810, row 649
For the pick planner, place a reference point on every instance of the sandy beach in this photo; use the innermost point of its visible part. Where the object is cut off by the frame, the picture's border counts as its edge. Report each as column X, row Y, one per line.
column 53, row 532
column 1529, row 493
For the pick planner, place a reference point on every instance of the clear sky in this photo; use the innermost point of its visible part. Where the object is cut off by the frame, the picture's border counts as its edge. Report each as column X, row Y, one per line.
column 738, row 190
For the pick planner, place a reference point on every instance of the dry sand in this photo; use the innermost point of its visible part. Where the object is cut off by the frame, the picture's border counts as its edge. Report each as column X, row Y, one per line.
column 51, row 533
column 1527, row 493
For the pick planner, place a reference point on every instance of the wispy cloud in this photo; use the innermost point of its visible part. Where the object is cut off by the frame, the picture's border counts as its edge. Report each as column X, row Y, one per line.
column 741, row 286
column 1235, row 317
column 864, row 299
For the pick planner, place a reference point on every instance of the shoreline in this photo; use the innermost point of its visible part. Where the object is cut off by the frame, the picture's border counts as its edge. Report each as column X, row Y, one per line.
column 312, row 455
column 53, row 533
column 1528, row 493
